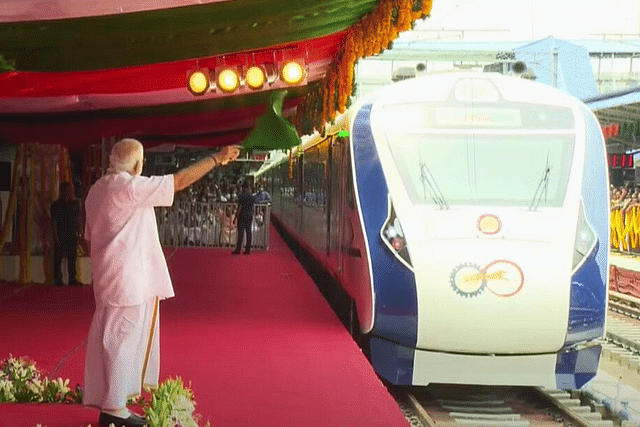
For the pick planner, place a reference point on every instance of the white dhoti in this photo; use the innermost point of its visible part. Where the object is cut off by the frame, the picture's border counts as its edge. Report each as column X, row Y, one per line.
column 123, row 354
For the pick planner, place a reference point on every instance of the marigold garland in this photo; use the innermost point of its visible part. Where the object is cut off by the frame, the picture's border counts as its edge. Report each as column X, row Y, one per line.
column 371, row 35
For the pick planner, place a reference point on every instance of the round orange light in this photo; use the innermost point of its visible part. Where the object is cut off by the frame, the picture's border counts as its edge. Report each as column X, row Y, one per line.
column 292, row 73
column 198, row 82
column 228, row 80
column 255, row 77
column 489, row 224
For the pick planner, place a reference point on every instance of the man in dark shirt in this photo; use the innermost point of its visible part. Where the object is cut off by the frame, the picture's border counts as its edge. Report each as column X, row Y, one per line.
column 64, row 218
column 263, row 196
column 244, row 218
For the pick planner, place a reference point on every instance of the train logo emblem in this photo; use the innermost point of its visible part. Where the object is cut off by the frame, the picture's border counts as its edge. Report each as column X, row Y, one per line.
column 501, row 277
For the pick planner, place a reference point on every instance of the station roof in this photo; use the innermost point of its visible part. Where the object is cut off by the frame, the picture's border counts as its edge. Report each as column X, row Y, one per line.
column 574, row 74
column 80, row 70
column 607, row 48
column 482, row 51
column 622, row 108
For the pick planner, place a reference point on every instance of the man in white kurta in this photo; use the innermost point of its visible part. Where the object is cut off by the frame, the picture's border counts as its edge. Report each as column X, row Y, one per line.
column 130, row 276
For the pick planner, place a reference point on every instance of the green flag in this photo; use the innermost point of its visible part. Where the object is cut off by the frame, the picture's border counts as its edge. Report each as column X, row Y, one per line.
column 272, row 131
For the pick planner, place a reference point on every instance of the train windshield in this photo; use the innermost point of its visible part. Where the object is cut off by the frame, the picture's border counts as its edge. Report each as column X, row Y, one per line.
column 479, row 167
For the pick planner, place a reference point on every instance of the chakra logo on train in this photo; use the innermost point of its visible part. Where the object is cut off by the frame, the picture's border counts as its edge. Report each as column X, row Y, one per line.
column 467, row 280
column 502, row 278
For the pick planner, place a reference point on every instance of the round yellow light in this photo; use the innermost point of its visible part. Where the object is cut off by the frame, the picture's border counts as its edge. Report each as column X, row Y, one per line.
column 292, row 73
column 255, row 77
column 198, row 82
column 228, row 80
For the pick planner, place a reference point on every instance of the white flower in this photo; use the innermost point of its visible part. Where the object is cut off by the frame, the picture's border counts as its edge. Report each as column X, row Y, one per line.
column 62, row 385
column 183, row 420
column 183, row 403
column 35, row 387
column 6, row 391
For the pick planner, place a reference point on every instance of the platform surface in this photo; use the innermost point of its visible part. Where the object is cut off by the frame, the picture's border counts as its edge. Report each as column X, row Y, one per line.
column 628, row 261
column 618, row 387
column 252, row 334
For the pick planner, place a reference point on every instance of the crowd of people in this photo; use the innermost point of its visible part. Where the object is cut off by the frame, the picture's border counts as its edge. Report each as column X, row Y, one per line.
column 205, row 214
column 223, row 189
column 624, row 198
column 624, row 219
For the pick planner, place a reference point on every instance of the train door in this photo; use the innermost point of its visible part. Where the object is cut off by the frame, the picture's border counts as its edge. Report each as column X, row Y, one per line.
column 344, row 170
column 329, row 190
column 299, row 188
column 336, row 210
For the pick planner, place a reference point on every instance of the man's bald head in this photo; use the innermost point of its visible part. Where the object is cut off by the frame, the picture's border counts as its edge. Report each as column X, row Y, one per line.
column 126, row 156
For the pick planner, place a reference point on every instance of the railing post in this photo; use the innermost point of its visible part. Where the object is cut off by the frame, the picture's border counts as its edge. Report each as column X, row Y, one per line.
column 208, row 224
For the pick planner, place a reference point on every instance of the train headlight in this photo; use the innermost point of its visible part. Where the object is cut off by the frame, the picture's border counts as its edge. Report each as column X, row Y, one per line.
column 585, row 240
column 393, row 236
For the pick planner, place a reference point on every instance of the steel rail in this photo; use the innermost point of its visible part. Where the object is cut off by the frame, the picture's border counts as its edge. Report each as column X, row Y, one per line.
column 475, row 411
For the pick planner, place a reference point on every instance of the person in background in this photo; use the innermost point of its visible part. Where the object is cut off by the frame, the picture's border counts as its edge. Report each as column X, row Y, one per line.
column 64, row 218
column 262, row 196
column 130, row 276
column 228, row 215
column 244, row 218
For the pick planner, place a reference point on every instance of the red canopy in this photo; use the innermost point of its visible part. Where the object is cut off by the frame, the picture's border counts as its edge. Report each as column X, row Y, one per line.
column 88, row 69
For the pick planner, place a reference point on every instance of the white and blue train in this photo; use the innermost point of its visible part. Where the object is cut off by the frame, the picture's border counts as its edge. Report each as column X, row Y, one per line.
column 466, row 217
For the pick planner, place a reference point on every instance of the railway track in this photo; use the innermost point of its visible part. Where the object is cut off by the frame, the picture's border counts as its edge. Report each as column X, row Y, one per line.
column 623, row 326
column 440, row 405
column 624, row 304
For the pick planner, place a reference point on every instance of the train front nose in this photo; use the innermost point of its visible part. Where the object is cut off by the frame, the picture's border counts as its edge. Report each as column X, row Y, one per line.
column 491, row 301
column 493, row 295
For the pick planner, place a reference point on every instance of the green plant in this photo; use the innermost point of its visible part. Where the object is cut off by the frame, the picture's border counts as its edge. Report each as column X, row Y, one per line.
column 169, row 405
column 21, row 381
column 172, row 405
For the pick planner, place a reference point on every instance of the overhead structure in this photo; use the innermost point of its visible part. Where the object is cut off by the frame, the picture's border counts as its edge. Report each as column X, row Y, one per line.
column 199, row 72
column 619, row 115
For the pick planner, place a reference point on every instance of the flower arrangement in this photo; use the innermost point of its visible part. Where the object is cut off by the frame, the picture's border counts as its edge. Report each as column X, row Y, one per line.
column 369, row 36
column 171, row 405
column 21, row 381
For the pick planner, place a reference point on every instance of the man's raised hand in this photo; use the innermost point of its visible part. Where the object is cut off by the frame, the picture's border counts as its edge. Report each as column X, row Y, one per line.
column 228, row 154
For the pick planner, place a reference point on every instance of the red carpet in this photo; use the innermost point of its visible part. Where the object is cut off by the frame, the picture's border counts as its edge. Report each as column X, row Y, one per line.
column 251, row 334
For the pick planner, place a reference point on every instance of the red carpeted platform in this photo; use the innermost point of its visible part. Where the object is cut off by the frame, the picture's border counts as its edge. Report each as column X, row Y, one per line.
column 252, row 334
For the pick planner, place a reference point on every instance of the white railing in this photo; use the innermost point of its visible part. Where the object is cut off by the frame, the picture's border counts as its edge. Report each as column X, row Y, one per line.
column 209, row 224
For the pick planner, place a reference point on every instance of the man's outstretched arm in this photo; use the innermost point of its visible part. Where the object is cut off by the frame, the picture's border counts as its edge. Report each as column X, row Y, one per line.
column 187, row 176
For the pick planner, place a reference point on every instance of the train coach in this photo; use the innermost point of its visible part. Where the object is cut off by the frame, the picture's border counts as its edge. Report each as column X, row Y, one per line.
column 466, row 217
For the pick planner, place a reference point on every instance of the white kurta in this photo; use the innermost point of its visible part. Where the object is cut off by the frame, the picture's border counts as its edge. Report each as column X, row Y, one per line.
column 129, row 275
